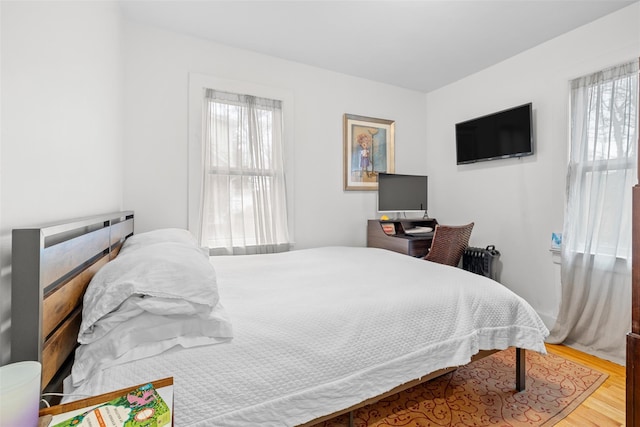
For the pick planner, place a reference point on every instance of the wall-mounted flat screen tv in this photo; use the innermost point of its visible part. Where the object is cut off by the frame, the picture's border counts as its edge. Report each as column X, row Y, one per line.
column 402, row 193
column 507, row 133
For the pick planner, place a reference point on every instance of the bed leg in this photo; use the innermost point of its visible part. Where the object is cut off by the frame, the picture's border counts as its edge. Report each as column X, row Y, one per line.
column 350, row 418
column 521, row 369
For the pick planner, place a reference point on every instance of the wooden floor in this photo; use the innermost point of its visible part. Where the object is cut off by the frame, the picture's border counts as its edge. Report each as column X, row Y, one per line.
column 606, row 406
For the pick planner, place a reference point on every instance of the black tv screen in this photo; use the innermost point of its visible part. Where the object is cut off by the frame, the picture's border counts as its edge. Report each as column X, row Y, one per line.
column 402, row 193
column 500, row 135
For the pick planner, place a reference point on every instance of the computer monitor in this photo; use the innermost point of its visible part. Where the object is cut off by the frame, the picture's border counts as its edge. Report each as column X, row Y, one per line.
column 402, row 193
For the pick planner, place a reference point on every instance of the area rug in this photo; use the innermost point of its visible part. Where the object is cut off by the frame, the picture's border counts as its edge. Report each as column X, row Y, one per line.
column 483, row 394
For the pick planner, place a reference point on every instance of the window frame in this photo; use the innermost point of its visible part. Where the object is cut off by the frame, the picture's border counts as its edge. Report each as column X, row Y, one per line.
column 625, row 164
column 196, row 112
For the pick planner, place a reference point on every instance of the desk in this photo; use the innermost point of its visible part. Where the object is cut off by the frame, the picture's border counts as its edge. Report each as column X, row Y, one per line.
column 401, row 242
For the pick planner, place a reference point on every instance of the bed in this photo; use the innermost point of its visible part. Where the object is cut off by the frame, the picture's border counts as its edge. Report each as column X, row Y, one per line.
column 301, row 336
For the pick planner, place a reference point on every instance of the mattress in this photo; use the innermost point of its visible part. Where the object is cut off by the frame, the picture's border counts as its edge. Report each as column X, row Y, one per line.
column 319, row 330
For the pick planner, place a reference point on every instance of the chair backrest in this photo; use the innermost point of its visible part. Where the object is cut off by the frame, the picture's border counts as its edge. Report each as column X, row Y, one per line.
column 449, row 243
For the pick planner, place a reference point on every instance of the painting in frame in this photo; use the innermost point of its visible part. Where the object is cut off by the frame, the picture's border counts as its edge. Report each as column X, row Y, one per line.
column 369, row 146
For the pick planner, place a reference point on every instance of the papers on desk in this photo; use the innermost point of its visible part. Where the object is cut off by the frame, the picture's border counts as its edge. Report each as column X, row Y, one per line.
column 418, row 231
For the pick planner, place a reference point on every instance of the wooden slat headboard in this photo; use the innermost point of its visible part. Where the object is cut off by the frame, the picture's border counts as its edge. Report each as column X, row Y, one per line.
column 51, row 268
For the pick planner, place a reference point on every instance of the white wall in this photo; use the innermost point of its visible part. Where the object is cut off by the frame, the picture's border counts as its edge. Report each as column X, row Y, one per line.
column 158, row 64
column 66, row 65
column 516, row 204
column 62, row 124
column 4, row 306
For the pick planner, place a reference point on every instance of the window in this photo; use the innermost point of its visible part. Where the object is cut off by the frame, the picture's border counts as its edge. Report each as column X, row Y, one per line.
column 596, row 249
column 602, row 168
column 243, row 207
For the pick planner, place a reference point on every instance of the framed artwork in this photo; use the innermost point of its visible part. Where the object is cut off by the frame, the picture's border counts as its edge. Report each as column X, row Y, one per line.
column 368, row 150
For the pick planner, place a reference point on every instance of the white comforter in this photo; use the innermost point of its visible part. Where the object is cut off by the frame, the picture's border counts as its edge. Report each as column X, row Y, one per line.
column 319, row 330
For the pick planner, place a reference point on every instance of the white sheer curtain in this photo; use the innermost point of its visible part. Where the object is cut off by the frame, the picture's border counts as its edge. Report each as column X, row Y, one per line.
column 243, row 209
column 595, row 309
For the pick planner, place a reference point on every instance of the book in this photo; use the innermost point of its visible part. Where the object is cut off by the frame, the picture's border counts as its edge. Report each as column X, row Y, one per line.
column 389, row 229
column 142, row 407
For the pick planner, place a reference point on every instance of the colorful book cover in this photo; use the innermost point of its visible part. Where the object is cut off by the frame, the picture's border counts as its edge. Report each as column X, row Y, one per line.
column 389, row 229
column 139, row 408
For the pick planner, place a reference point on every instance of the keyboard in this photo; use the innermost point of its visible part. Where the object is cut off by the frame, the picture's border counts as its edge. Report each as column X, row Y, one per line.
column 418, row 230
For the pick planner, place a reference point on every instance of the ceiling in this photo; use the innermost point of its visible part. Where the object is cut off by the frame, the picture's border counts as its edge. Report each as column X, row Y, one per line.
column 420, row 45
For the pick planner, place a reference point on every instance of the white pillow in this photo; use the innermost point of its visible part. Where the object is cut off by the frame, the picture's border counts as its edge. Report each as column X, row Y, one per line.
column 163, row 235
column 179, row 275
column 147, row 335
column 136, row 305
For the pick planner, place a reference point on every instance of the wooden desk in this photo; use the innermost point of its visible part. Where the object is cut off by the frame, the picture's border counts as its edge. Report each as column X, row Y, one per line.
column 401, row 242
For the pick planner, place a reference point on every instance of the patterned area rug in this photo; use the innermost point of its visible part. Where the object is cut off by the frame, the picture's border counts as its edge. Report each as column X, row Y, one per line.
column 483, row 394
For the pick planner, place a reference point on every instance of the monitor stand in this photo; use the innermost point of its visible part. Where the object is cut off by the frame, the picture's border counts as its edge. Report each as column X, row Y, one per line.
column 400, row 216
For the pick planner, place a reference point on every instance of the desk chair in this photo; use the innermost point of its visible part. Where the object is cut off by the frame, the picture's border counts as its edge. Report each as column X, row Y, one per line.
column 449, row 243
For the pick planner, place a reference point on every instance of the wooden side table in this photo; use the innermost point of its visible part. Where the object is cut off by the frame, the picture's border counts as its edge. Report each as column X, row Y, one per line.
column 59, row 413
